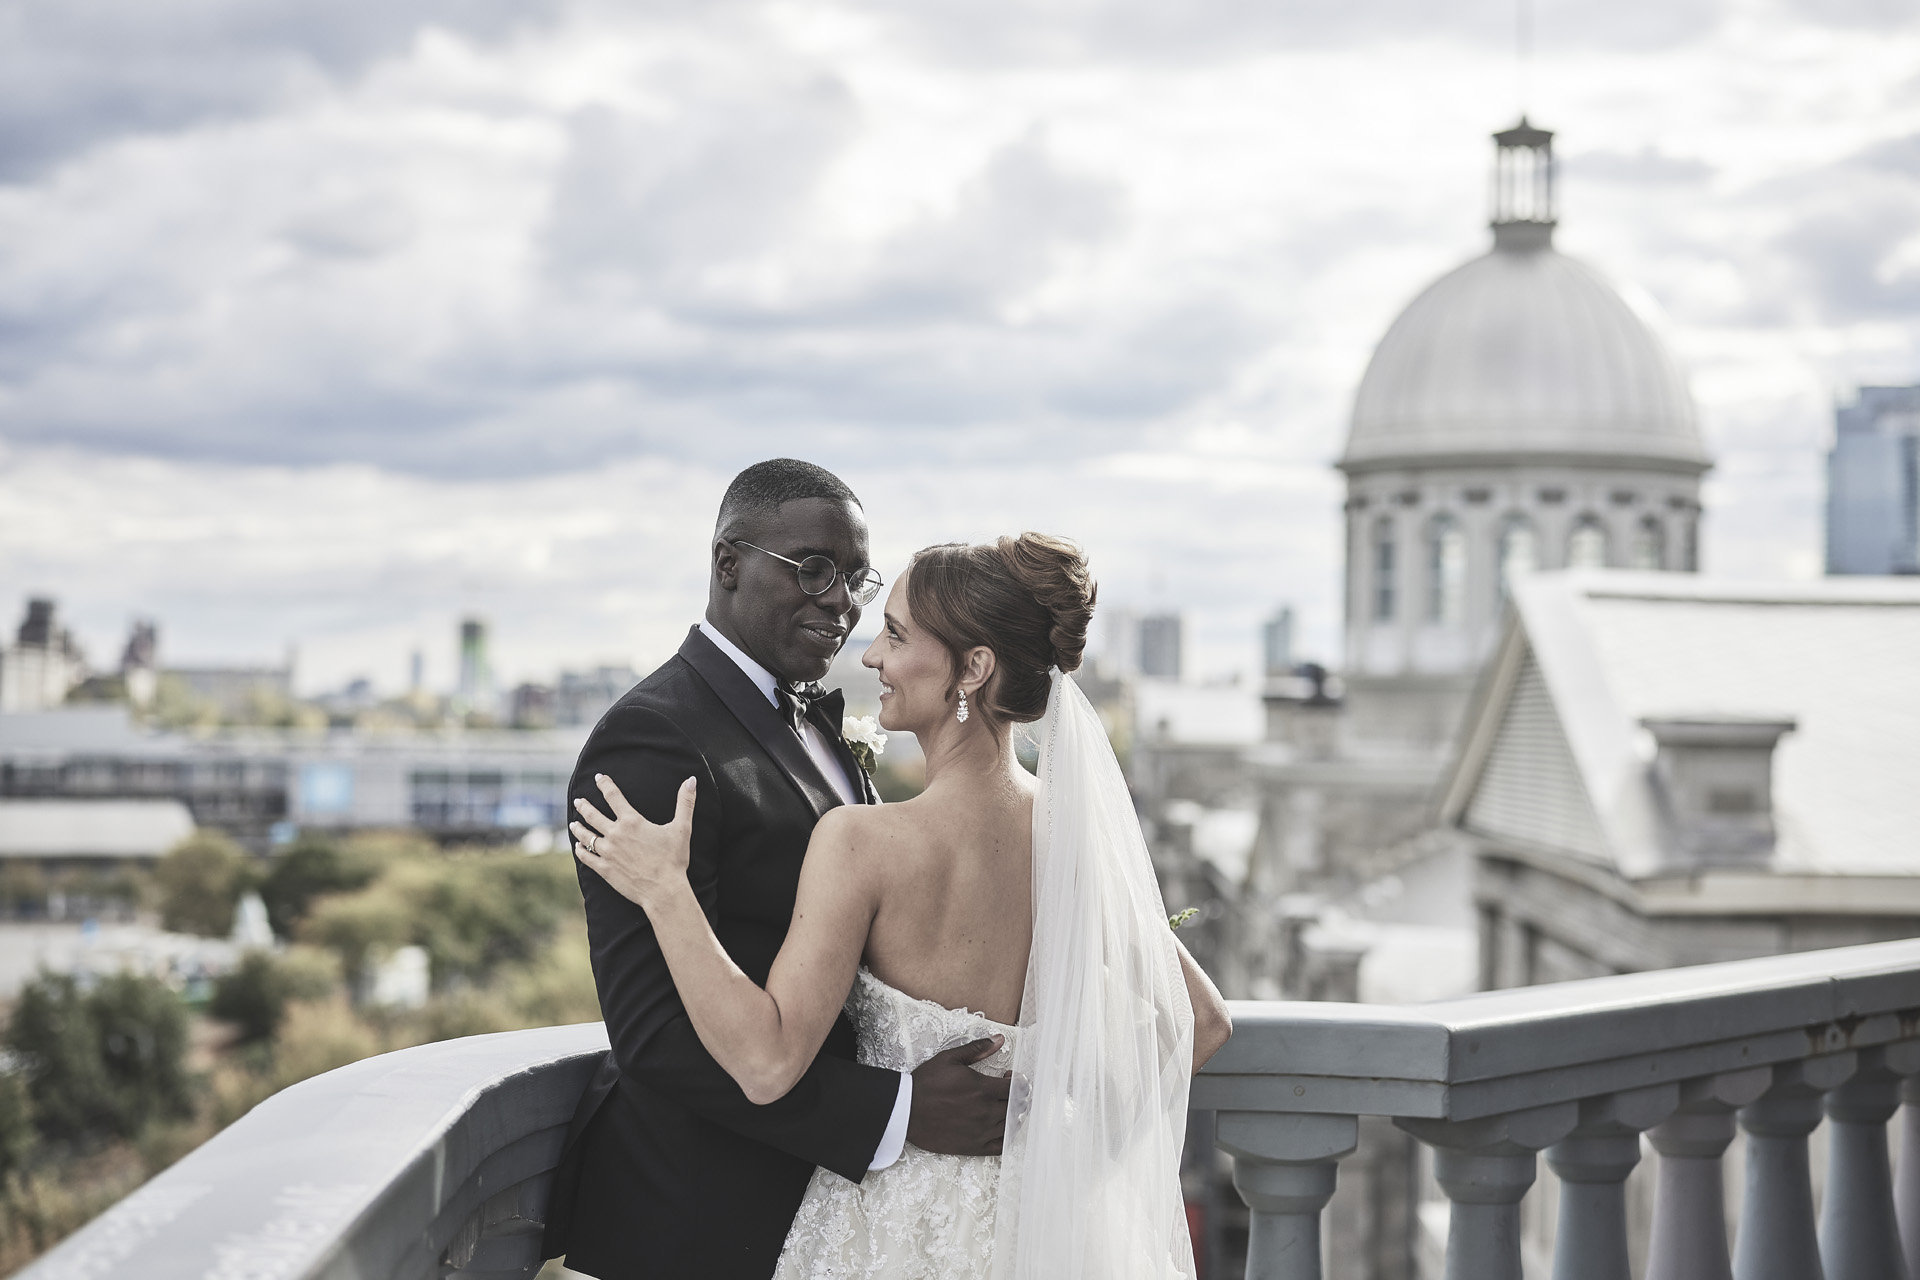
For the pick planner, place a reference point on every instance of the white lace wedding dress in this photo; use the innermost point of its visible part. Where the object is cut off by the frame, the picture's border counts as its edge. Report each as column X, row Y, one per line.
column 925, row 1216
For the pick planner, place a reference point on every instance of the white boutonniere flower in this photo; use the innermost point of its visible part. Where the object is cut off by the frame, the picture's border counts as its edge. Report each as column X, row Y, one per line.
column 864, row 739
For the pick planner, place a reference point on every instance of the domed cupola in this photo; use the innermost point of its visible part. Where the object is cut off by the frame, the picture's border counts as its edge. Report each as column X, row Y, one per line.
column 1522, row 351
column 1520, row 414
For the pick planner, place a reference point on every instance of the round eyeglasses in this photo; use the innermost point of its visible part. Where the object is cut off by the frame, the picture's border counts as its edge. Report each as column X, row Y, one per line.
column 816, row 575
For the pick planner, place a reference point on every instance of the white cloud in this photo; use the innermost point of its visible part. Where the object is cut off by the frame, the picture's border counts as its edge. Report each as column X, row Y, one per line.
column 445, row 308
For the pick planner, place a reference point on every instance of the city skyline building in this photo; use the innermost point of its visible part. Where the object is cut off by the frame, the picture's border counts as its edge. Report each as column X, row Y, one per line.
column 44, row 662
column 1276, row 643
column 475, row 689
column 1873, row 483
column 1163, row 646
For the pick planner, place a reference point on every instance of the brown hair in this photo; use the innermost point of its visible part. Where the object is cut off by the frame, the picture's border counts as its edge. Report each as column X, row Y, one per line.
column 1028, row 599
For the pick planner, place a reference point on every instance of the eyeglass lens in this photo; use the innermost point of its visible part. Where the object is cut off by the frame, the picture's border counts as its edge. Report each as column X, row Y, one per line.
column 817, row 573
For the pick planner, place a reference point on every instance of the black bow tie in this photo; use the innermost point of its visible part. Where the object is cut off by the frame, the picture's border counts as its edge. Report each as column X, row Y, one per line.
column 797, row 703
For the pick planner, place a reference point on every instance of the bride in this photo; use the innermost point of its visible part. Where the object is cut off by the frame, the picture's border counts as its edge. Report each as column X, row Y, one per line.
column 993, row 904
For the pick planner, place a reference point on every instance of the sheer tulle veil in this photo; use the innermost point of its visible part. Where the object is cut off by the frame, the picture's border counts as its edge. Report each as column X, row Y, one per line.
column 1089, row 1178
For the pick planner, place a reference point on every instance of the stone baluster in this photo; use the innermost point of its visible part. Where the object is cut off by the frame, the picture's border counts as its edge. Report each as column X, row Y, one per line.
column 1284, row 1166
column 1859, row 1234
column 1593, row 1163
column 1689, row 1236
column 1906, row 1185
column 1778, row 1240
column 1485, row 1166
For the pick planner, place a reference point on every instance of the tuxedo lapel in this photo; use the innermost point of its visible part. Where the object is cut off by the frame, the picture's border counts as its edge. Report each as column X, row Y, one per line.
column 751, row 708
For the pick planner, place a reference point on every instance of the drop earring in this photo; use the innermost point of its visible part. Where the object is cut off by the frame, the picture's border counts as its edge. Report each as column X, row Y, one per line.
column 961, row 714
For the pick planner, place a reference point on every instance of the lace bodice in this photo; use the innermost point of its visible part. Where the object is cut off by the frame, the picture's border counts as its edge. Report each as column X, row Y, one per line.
column 925, row 1216
column 899, row 1031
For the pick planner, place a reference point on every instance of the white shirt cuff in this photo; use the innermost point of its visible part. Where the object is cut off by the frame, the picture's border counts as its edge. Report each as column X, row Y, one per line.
column 894, row 1140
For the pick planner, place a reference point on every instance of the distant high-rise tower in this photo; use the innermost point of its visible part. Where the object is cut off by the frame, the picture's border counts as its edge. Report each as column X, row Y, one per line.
column 1873, row 483
column 476, row 676
column 1276, row 643
column 1161, row 635
column 140, row 662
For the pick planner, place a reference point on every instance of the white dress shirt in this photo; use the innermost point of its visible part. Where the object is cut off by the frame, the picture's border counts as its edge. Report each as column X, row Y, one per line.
column 894, row 1140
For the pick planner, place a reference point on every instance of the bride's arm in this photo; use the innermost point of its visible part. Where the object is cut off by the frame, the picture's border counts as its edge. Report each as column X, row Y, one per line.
column 763, row 1038
column 1211, row 1025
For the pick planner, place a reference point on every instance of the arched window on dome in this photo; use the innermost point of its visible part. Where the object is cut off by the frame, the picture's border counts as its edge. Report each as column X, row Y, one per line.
column 1649, row 545
column 1690, row 544
column 1383, row 570
column 1446, row 572
column 1587, row 544
column 1518, row 552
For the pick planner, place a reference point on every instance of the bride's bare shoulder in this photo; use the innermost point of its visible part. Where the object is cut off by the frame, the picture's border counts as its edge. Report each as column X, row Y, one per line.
column 870, row 836
column 864, row 825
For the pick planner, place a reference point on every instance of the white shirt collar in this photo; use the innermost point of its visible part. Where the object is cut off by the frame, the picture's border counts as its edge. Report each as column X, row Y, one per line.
column 761, row 677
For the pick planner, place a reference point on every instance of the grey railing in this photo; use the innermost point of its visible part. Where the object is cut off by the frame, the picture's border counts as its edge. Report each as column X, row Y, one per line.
column 426, row 1163
column 434, row 1162
column 1580, row 1070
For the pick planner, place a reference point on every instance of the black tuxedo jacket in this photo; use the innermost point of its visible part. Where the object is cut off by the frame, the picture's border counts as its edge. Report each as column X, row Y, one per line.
column 669, row 1171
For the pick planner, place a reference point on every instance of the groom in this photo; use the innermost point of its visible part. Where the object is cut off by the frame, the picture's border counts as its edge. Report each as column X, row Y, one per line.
column 669, row 1171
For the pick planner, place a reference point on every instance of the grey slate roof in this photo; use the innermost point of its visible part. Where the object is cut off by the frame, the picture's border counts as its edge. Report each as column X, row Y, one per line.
column 1587, row 655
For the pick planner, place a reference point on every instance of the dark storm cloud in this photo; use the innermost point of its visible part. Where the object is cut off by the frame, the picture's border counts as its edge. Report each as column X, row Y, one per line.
column 74, row 73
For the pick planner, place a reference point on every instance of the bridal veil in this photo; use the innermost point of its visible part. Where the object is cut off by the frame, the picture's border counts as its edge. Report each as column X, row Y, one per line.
column 1089, row 1177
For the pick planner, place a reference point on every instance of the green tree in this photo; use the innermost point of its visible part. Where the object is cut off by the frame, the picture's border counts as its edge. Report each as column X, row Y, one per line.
column 54, row 1033
column 103, row 1063
column 143, row 1045
column 312, row 866
column 17, row 1135
column 254, row 995
column 481, row 911
column 200, row 881
column 472, row 912
column 360, row 927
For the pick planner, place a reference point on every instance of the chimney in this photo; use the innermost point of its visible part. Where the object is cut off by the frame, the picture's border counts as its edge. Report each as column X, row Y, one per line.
column 1714, row 779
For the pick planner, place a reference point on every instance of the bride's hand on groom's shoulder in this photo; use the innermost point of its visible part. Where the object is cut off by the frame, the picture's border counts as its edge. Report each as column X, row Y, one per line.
column 638, row 858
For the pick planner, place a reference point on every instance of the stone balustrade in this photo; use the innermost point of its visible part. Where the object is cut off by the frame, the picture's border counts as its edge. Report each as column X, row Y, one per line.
column 1579, row 1071
column 433, row 1162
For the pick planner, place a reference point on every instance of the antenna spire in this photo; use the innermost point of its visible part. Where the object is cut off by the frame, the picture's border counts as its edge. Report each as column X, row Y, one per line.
column 1523, row 52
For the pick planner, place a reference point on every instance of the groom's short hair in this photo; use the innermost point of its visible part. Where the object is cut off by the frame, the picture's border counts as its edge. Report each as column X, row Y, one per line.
column 763, row 488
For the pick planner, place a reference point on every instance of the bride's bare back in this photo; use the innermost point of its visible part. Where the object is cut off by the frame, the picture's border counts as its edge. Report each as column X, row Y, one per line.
column 953, row 910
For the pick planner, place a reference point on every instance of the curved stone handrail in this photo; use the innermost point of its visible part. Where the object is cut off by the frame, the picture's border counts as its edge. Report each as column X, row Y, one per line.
column 1531, row 1046
column 425, row 1162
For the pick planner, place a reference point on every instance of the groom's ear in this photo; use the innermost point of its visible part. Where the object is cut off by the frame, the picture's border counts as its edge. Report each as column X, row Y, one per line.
column 726, row 565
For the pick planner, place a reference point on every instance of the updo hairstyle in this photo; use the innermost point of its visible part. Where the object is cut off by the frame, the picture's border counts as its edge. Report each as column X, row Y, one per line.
column 1028, row 599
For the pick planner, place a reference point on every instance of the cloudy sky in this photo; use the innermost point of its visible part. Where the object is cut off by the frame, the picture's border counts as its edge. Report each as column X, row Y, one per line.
column 324, row 324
